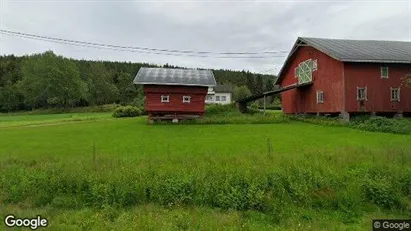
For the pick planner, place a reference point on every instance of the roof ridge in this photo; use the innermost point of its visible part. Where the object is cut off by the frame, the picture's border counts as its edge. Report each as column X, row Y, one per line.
column 358, row 40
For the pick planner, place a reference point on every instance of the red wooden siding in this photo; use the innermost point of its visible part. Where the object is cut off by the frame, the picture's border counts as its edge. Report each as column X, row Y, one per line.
column 153, row 102
column 378, row 89
column 327, row 78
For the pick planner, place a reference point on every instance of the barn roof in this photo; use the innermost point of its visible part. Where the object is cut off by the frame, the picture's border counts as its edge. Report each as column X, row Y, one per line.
column 367, row 51
column 224, row 88
column 173, row 76
column 363, row 50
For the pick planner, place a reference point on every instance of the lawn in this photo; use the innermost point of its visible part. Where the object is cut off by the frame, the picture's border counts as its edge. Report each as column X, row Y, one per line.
column 126, row 174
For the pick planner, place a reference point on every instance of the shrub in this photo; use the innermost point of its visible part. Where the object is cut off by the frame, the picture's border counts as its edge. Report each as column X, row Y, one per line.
column 381, row 192
column 127, row 111
column 381, row 124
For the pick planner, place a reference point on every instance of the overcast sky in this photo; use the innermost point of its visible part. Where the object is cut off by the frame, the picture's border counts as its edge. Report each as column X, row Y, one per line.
column 229, row 26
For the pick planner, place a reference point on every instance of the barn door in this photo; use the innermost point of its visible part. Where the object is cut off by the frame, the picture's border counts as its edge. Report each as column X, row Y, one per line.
column 304, row 71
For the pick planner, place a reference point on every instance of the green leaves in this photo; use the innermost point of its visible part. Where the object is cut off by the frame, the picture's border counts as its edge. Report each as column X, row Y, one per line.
column 51, row 79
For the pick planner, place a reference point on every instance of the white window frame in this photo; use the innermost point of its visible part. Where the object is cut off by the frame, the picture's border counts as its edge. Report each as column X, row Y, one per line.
column 320, row 96
column 217, row 98
column 397, row 98
column 165, row 98
column 382, row 71
column 186, row 99
column 223, row 98
column 359, row 98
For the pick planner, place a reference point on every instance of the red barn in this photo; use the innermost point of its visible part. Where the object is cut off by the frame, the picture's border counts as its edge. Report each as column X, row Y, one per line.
column 348, row 77
column 174, row 93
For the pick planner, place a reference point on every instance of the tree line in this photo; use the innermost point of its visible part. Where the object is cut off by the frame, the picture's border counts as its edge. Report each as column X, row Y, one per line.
column 47, row 80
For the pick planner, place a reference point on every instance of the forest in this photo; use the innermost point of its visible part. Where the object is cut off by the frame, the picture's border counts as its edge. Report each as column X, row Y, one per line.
column 47, row 80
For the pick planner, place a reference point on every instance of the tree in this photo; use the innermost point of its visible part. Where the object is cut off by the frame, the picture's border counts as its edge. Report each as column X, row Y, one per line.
column 406, row 80
column 51, row 80
column 128, row 90
column 101, row 89
column 10, row 97
column 259, row 85
column 241, row 92
column 251, row 82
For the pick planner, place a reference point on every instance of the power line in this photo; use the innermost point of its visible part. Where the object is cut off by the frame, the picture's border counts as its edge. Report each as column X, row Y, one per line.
column 147, row 50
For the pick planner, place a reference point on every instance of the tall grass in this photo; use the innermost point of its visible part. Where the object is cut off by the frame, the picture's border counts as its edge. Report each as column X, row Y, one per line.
column 366, row 123
column 265, row 183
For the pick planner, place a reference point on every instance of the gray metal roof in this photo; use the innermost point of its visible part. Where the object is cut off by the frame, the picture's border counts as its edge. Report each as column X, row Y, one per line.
column 345, row 50
column 173, row 76
column 363, row 50
column 224, row 88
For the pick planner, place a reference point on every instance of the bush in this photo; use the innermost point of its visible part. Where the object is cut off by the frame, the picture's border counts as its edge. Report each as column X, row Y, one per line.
column 381, row 124
column 127, row 111
column 366, row 123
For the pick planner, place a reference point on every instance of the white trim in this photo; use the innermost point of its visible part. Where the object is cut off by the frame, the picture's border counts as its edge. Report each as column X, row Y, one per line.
column 186, row 99
column 165, row 98
column 315, row 65
column 320, row 99
column 173, row 84
column 364, row 98
column 398, row 94
column 381, row 72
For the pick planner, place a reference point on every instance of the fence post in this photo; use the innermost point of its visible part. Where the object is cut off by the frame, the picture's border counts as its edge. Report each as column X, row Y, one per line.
column 264, row 104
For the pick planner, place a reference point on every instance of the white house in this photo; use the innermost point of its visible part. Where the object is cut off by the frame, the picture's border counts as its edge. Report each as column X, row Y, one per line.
column 220, row 94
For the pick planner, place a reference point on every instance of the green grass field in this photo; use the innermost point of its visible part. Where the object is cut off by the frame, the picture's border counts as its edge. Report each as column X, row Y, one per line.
column 90, row 171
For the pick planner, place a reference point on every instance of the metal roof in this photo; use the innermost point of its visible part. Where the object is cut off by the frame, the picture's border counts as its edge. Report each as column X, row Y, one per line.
column 346, row 50
column 363, row 50
column 173, row 76
column 224, row 88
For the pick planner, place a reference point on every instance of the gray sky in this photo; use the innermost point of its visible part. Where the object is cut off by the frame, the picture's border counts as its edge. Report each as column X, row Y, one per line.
column 228, row 26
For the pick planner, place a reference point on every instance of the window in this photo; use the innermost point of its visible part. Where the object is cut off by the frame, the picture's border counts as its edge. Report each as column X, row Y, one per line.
column 384, row 72
column 186, row 99
column 320, row 97
column 209, row 97
column 223, row 98
column 395, row 94
column 217, row 98
column 361, row 93
column 165, row 98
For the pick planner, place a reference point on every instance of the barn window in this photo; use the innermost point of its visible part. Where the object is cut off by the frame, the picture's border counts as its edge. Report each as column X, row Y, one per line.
column 395, row 94
column 320, row 97
column 384, row 72
column 165, row 98
column 186, row 99
column 217, row 98
column 223, row 98
column 361, row 93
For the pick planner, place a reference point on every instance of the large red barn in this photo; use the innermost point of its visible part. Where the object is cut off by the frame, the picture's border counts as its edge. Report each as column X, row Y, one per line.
column 172, row 93
column 347, row 76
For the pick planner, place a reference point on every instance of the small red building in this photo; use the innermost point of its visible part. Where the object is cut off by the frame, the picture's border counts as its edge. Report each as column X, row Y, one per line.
column 347, row 76
column 174, row 93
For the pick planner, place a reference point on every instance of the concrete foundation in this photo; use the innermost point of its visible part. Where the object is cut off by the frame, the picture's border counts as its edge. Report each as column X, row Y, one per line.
column 345, row 117
column 399, row 115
